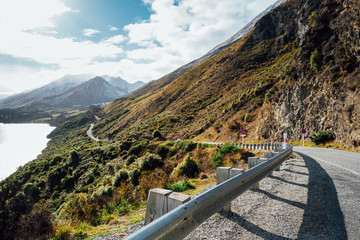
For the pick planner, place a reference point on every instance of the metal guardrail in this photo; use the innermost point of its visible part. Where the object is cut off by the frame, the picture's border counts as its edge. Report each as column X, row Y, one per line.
column 184, row 219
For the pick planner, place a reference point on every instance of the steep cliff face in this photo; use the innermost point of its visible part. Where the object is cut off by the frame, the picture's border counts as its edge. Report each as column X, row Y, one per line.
column 327, row 97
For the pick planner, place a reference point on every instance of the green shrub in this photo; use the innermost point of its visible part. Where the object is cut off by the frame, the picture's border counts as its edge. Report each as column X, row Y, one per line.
column 136, row 150
column 217, row 159
column 189, row 167
column 32, row 190
column 169, row 144
column 180, row 186
column 126, row 145
column 322, row 137
column 246, row 117
column 62, row 232
column 120, row 176
column 55, row 176
column 186, row 146
column 74, row 159
column 102, row 191
column 315, row 60
column 172, row 151
column 157, row 134
column 56, row 160
column 151, row 161
column 162, row 150
column 312, row 18
column 67, row 182
column 130, row 159
column 134, row 177
column 229, row 148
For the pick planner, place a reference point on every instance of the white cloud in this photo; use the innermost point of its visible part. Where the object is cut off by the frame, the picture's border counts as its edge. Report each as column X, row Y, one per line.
column 116, row 39
column 26, row 15
column 112, row 28
column 90, row 32
column 178, row 33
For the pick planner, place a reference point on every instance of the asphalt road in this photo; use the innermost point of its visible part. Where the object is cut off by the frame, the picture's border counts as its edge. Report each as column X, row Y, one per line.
column 337, row 175
column 90, row 133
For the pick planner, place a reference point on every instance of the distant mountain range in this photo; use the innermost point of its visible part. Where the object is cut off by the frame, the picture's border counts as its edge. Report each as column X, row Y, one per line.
column 70, row 91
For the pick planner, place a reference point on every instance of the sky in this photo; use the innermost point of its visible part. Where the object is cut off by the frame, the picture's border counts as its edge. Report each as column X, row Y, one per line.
column 138, row 40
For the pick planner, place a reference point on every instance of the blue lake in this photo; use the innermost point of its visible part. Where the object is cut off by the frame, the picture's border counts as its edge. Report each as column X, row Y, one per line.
column 19, row 144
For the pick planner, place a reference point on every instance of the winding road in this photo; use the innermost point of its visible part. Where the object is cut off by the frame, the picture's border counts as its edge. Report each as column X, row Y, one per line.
column 89, row 131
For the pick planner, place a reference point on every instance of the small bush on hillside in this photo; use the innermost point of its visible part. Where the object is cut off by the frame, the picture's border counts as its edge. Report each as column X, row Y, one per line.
column 169, row 144
column 126, row 145
column 151, row 161
column 313, row 17
column 136, row 150
column 189, row 167
column 315, row 60
column 150, row 180
column 120, row 176
column 162, row 150
column 134, row 177
column 56, row 160
column 180, row 186
column 229, row 148
column 67, row 182
column 219, row 156
column 322, row 137
column 186, row 146
column 172, row 151
column 74, row 159
column 157, row 134
column 102, row 192
column 130, row 159
column 217, row 159
column 246, row 117
column 55, row 176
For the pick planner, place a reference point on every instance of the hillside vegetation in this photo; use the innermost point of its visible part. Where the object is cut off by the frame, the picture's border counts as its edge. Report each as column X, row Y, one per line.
column 298, row 68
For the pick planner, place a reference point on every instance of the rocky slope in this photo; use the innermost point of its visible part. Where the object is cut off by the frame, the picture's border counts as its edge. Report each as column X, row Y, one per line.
column 298, row 68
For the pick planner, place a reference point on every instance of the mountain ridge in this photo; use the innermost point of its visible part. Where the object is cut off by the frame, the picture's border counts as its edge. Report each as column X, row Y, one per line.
column 33, row 99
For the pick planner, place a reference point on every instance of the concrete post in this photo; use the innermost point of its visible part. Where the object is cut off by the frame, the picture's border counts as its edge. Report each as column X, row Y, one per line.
column 175, row 199
column 157, row 204
column 223, row 174
column 252, row 162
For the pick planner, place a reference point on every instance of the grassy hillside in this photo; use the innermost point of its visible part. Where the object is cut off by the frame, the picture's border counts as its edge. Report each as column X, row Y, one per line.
column 298, row 68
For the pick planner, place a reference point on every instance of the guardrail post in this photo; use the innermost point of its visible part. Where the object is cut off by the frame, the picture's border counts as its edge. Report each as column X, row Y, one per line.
column 175, row 199
column 223, row 174
column 252, row 162
column 157, row 204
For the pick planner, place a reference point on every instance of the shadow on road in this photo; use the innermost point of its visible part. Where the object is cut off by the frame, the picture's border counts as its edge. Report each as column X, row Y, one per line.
column 251, row 227
column 286, row 181
column 323, row 218
column 272, row 196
